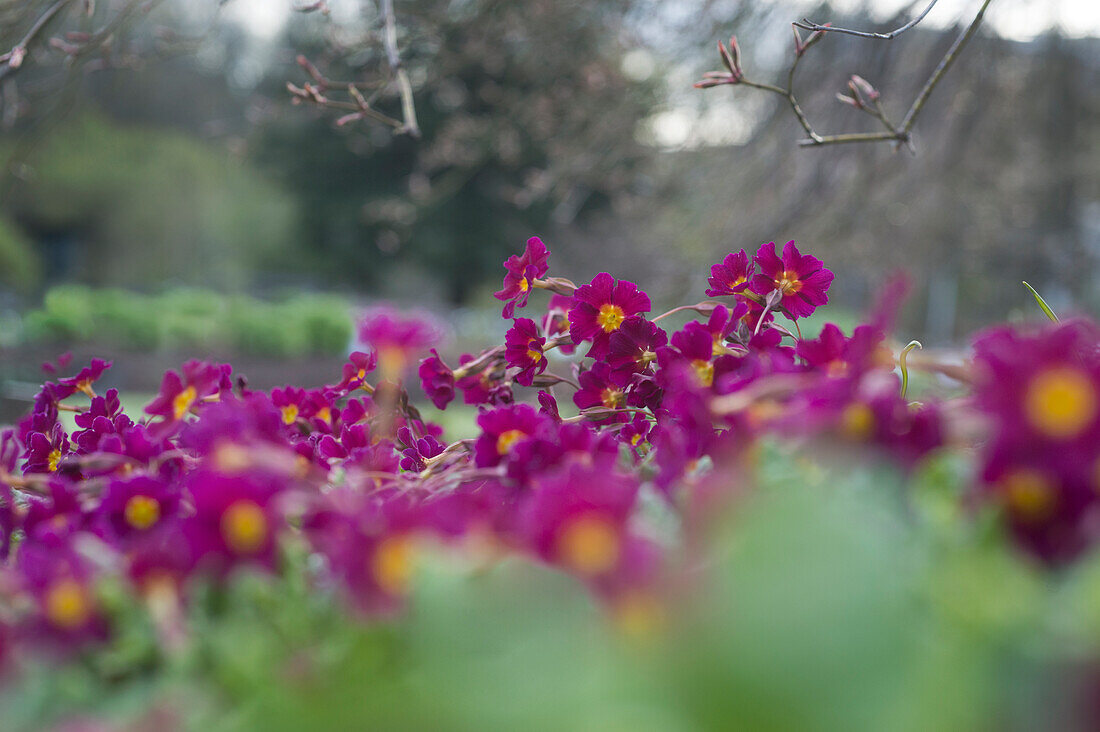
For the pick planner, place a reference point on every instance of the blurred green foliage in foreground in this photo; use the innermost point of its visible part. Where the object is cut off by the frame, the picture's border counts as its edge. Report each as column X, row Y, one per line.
column 862, row 602
column 193, row 319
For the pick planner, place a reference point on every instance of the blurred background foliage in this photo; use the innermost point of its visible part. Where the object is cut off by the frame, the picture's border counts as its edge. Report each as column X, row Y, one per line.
column 180, row 320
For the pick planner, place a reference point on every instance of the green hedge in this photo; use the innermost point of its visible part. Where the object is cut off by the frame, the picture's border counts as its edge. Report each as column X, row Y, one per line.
column 188, row 319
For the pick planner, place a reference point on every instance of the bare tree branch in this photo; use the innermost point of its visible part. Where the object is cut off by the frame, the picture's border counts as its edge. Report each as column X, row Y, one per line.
column 941, row 69
column 13, row 59
column 807, row 24
column 859, row 87
column 404, row 86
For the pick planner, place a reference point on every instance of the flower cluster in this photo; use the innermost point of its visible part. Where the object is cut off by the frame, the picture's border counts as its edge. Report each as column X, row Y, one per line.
column 215, row 477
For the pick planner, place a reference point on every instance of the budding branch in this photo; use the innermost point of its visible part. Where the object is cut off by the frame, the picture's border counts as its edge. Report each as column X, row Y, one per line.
column 863, row 96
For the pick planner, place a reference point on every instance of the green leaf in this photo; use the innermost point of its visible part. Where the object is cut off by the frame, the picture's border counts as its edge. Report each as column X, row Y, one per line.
column 1042, row 303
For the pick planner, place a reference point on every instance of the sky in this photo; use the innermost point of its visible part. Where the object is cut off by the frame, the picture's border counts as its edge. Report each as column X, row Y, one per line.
column 1019, row 19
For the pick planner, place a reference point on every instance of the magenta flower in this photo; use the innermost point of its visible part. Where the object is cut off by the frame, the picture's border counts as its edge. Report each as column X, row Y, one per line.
column 135, row 508
column 599, row 389
column 290, row 401
column 371, row 544
column 636, row 432
column 632, row 349
column 1049, row 502
column 397, row 338
column 355, row 372
column 479, row 386
column 418, row 450
column 548, row 405
column 437, row 379
column 557, row 445
column 1043, row 385
column 61, row 585
column 801, row 280
column 103, row 417
column 46, row 451
column 180, row 392
column 502, row 429
column 600, row 309
column 578, row 519
column 522, row 272
column 731, row 275
column 234, row 520
column 523, row 350
column 55, row 517
column 88, row 375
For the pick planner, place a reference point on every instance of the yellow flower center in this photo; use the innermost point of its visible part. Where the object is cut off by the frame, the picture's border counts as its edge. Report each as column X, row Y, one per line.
column 1060, row 402
column 324, row 414
column 1030, row 496
column 67, row 604
column 53, row 460
column 737, row 281
column 857, row 421
column 704, row 371
column 524, row 285
column 290, row 413
column 183, row 402
column 142, row 512
column 244, row 527
column 589, row 545
column 508, row 439
column 611, row 397
column 534, row 354
column 610, row 317
column 788, row 282
column 392, row 564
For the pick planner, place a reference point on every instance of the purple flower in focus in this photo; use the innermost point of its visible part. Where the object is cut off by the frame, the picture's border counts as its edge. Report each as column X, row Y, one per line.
column 731, row 276
column 632, row 348
column 437, row 379
column 523, row 349
column 600, row 309
column 522, row 271
column 502, row 429
column 801, row 280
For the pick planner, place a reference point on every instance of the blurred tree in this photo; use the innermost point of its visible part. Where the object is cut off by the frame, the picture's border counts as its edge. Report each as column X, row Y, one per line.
column 137, row 206
column 527, row 118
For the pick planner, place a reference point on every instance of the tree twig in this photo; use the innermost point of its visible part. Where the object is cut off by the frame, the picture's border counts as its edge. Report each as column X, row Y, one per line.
column 900, row 134
column 941, row 69
column 404, row 86
column 807, row 24
column 13, row 59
